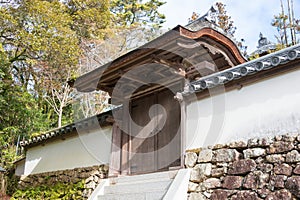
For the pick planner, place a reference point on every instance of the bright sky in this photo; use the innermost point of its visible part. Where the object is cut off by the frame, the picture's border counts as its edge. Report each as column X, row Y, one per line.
column 250, row 17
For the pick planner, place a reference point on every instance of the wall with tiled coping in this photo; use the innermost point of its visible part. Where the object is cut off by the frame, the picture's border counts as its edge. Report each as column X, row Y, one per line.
column 265, row 168
column 86, row 146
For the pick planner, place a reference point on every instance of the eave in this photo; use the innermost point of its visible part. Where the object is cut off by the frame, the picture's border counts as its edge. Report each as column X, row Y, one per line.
column 70, row 130
column 270, row 65
column 105, row 77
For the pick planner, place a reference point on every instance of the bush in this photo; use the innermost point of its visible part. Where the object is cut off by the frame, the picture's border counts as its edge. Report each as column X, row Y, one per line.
column 58, row 191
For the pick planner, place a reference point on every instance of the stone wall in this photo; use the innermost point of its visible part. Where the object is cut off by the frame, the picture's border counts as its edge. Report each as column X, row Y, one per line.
column 265, row 168
column 91, row 176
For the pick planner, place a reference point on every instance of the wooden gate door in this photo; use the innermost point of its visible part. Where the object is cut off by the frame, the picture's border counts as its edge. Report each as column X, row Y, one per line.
column 155, row 143
column 142, row 142
column 169, row 138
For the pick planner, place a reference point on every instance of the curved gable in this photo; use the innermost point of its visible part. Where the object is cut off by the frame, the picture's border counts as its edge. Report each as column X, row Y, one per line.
column 198, row 53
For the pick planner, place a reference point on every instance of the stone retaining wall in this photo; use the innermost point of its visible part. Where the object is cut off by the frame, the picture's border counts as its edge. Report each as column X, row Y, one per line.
column 91, row 175
column 266, row 168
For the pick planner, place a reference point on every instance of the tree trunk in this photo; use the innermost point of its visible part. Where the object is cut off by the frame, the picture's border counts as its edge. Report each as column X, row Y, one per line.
column 284, row 24
column 60, row 116
column 291, row 25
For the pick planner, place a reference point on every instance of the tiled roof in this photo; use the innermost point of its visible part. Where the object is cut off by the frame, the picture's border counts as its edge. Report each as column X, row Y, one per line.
column 66, row 130
column 193, row 31
column 267, row 62
column 203, row 22
column 19, row 160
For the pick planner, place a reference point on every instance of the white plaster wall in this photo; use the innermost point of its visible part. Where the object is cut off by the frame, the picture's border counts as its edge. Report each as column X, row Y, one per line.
column 83, row 150
column 20, row 168
column 269, row 107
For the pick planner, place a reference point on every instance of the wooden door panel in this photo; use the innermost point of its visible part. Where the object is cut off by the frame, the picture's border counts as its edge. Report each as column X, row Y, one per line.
column 169, row 145
column 155, row 145
column 142, row 154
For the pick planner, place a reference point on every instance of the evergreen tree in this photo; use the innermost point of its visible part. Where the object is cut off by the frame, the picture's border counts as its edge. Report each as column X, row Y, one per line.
column 41, row 42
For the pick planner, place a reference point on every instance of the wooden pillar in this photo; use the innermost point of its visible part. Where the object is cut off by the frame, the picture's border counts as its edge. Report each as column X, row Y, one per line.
column 183, row 119
column 183, row 130
column 115, row 157
column 125, row 140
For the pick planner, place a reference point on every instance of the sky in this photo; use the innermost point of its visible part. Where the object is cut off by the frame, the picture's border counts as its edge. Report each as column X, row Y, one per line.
column 250, row 17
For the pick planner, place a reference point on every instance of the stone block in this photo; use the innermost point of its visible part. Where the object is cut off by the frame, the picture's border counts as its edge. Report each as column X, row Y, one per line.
column 263, row 193
column 196, row 196
column 280, row 195
column 253, row 142
column 219, row 146
column 245, row 195
column 275, row 158
column 265, row 142
column 221, row 194
column 232, row 182
column 205, row 169
column 96, row 179
column 89, row 179
column 205, row 155
column 91, row 185
column 200, row 172
column 280, row 147
column 290, row 137
column 256, row 180
column 293, row 185
column 207, row 194
column 298, row 138
column 278, row 137
column 293, row 156
column 283, row 169
column 297, row 169
column 254, row 152
column 192, row 187
column 212, row 183
column 238, row 145
column 265, row 167
column 225, row 155
column 277, row 181
column 242, row 167
column 190, row 159
column 218, row 172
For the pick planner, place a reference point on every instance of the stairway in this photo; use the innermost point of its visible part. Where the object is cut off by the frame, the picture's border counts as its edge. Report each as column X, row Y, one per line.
column 139, row 187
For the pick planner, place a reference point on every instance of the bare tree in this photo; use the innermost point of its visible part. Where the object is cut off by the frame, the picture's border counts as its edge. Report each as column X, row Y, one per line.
column 284, row 22
column 59, row 97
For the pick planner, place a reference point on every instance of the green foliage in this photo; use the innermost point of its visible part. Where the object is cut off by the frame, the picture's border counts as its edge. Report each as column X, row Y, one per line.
column 19, row 113
column 57, row 191
column 132, row 12
column 90, row 18
column 19, row 116
column 11, row 182
column 41, row 42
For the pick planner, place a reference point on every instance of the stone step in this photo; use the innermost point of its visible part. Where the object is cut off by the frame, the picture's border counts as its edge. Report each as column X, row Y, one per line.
column 115, row 182
column 144, row 177
column 153, row 186
column 134, row 196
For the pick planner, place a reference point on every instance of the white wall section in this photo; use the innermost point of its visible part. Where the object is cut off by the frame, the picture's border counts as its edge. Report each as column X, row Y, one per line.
column 269, row 107
column 83, row 150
